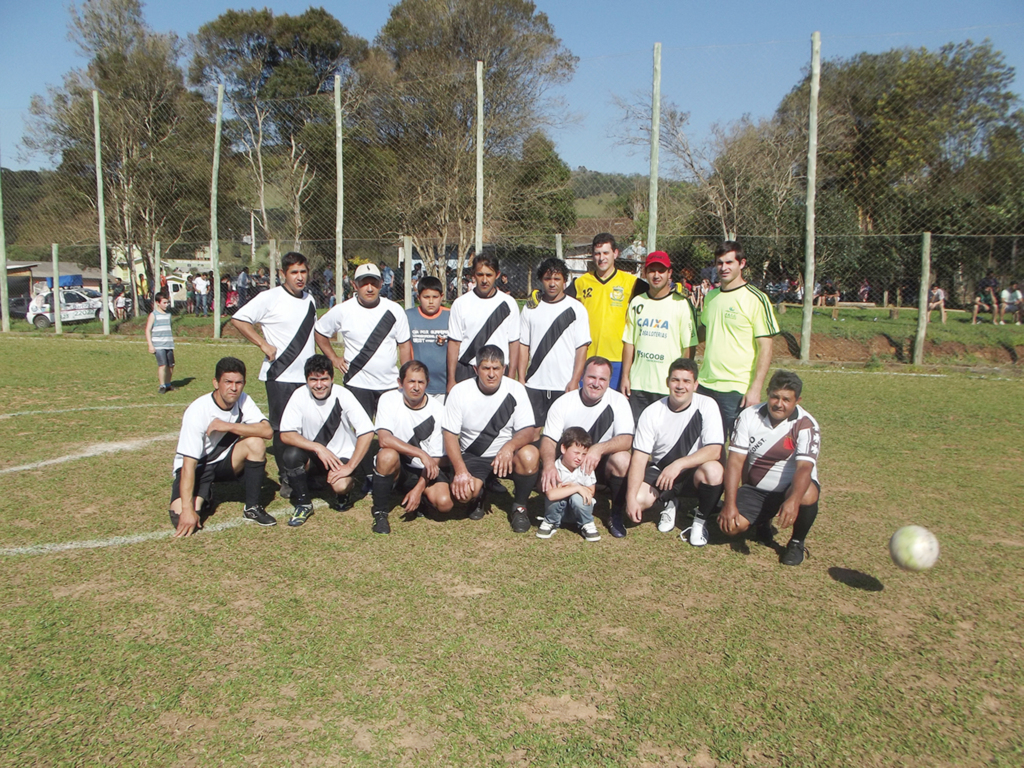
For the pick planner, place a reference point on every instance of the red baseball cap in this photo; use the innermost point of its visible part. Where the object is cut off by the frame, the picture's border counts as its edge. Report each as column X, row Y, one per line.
column 658, row 257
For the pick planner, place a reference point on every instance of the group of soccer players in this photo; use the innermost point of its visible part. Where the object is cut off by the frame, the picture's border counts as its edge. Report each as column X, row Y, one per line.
column 591, row 389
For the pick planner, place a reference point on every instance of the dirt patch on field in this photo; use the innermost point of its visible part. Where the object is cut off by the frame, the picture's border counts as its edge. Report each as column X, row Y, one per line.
column 886, row 348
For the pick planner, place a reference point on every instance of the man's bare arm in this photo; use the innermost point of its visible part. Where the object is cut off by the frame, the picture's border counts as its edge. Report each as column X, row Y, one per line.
column 764, row 362
column 249, row 333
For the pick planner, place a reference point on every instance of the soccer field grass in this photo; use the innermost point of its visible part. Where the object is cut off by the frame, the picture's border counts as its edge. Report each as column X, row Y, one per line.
column 460, row 643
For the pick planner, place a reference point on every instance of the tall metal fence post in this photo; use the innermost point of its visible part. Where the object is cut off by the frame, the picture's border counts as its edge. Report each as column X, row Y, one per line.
column 101, row 212
column 5, row 309
column 652, row 206
column 812, row 175
column 58, row 328
column 558, row 246
column 922, row 297
column 339, row 213
column 214, row 240
column 407, row 252
column 479, row 239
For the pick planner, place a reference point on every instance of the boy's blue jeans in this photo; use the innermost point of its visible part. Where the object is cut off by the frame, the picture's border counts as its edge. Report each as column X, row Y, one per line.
column 574, row 507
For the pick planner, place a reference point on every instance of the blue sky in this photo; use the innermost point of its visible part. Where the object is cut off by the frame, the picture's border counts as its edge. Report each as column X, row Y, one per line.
column 720, row 60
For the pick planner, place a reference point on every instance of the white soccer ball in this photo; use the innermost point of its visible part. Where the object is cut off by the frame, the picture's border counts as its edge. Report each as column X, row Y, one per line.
column 914, row 548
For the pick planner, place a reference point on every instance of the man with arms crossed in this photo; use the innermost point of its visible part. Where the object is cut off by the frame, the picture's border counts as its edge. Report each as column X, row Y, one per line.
column 375, row 332
column 676, row 449
column 607, row 418
column 1012, row 303
column 222, row 437
column 554, row 337
column 325, row 431
column 488, row 429
column 286, row 315
column 737, row 323
column 660, row 326
column 774, row 453
column 411, row 448
column 483, row 316
column 606, row 294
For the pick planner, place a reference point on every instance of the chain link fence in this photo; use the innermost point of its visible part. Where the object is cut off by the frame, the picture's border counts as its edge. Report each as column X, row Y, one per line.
column 909, row 141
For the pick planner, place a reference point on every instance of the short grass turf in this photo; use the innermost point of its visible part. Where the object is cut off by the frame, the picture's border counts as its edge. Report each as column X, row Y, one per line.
column 460, row 643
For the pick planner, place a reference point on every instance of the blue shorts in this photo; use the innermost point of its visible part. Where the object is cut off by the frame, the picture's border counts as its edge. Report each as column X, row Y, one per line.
column 616, row 375
column 164, row 357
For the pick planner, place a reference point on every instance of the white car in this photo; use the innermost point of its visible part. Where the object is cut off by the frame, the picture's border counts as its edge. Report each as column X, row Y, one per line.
column 77, row 305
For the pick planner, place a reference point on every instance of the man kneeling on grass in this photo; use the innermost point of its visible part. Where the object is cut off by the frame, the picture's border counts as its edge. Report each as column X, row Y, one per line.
column 222, row 437
column 325, row 431
column 488, row 428
column 676, row 449
column 774, row 451
column 411, row 448
column 575, row 489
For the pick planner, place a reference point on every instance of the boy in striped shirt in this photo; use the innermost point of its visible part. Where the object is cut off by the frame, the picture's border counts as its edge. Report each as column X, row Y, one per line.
column 160, row 340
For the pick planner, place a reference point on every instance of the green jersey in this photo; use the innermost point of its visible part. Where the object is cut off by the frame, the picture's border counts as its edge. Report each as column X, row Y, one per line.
column 659, row 330
column 734, row 320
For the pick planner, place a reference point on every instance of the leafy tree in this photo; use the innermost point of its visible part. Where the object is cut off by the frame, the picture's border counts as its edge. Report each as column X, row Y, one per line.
column 156, row 177
column 421, row 109
column 540, row 199
column 271, row 66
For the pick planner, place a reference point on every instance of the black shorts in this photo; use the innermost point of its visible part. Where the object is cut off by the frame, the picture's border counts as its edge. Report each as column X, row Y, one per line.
column 639, row 400
column 206, row 476
column 278, row 395
column 756, row 505
column 683, row 484
column 165, row 357
column 729, row 404
column 368, row 398
column 478, row 466
column 541, row 400
column 409, row 475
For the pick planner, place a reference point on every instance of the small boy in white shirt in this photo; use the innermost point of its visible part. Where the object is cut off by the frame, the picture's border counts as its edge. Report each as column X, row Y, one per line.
column 575, row 489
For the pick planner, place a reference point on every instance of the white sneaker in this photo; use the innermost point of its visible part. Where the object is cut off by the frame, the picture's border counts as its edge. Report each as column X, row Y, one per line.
column 590, row 532
column 546, row 530
column 668, row 518
column 696, row 533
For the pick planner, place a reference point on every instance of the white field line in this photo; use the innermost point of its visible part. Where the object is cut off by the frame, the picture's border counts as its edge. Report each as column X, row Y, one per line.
column 121, row 541
column 4, row 416
column 99, row 449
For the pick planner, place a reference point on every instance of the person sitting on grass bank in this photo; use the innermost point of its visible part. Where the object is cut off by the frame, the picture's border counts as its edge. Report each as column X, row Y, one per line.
column 160, row 340
column 223, row 436
column 937, row 300
column 774, row 453
column 986, row 298
column 574, row 492
column 411, row 448
column 1012, row 303
column 676, row 449
column 488, row 430
column 325, row 432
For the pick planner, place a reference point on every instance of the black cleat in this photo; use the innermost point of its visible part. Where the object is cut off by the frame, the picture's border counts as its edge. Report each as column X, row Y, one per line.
column 520, row 520
column 380, row 522
column 342, row 503
column 794, row 554
column 615, row 526
column 259, row 515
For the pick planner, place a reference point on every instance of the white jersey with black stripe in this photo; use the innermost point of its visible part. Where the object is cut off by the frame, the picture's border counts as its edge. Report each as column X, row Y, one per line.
column 194, row 442
column 470, row 314
column 609, row 417
column 336, row 421
column 287, row 324
column 771, row 452
column 553, row 331
column 371, row 336
column 420, row 427
column 666, row 434
column 484, row 423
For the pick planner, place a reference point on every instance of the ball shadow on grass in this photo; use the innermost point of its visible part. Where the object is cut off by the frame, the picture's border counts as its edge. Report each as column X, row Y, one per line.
column 855, row 579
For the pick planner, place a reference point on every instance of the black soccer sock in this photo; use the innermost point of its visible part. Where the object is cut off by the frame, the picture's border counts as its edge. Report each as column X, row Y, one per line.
column 617, row 486
column 707, row 499
column 805, row 517
column 523, row 485
column 278, row 448
column 252, row 478
column 383, row 486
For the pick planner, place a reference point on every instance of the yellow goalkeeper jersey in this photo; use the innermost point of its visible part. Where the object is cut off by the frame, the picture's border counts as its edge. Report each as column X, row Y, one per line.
column 607, row 302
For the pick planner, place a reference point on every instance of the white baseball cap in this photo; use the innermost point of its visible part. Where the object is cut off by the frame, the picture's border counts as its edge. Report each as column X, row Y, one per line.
column 366, row 270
